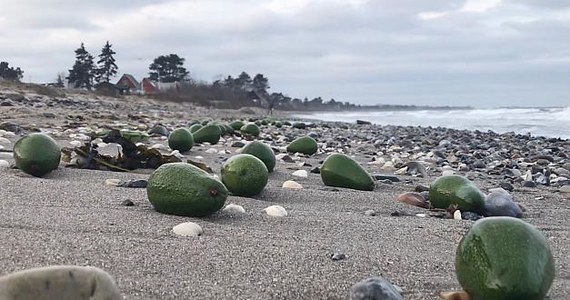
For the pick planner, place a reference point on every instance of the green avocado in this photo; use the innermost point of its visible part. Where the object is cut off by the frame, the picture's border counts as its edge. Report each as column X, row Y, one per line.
column 504, row 258
column 194, row 127
column 244, row 175
column 37, row 154
column 210, row 133
column 304, row 144
column 261, row 151
column 185, row 190
column 342, row 171
column 250, row 129
column 456, row 190
column 237, row 125
column 180, row 139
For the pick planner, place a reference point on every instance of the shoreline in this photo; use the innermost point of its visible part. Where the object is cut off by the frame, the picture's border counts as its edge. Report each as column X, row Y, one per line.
column 72, row 217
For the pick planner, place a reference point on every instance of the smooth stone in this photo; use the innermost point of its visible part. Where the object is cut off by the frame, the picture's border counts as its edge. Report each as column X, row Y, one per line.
column 370, row 213
column 457, row 215
column 4, row 164
column 234, row 209
column 237, row 144
column 188, row 229
column 159, row 147
column 284, row 157
column 127, row 203
column 275, row 211
column 447, row 173
column 479, row 164
column 76, row 143
column 386, row 177
column 316, row 170
column 564, row 189
column 290, row 184
column 113, row 182
column 338, row 256
column 212, row 150
column 374, row 288
column 528, row 183
column 159, row 130
column 301, row 174
column 507, row 186
column 414, row 198
column 59, row 282
column 416, row 169
column 500, row 203
column 5, row 141
column 468, row 215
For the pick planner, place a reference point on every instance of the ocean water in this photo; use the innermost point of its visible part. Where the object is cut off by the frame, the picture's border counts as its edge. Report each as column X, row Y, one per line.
column 549, row 122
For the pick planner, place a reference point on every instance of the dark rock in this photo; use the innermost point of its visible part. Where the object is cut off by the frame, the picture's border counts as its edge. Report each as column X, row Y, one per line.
column 127, row 203
column 540, row 178
column 315, row 170
column 374, row 288
column 507, row 186
column 468, row 215
column 386, row 177
column 338, row 256
column 49, row 115
column 421, row 188
column 362, row 122
column 528, row 183
column 159, row 130
column 314, row 135
column 7, row 103
column 479, row 164
column 385, row 181
column 8, row 126
column 238, row 144
column 134, row 183
column 500, row 203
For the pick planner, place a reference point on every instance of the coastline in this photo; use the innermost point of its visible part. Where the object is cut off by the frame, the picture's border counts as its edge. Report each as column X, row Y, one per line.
column 72, row 217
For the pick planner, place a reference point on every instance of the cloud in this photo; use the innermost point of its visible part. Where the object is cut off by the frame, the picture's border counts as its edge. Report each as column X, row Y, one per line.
column 422, row 52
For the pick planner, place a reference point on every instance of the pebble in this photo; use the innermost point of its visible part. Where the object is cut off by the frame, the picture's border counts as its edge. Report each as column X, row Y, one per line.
column 301, row 174
column 290, row 184
column 5, row 141
column 188, row 229
column 457, row 215
column 370, row 213
column 386, row 177
column 113, row 182
column 234, row 209
column 528, row 183
column 338, row 256
column 564, row 189
column 414, row 198
column 4, row 164
column 76, row 143
column 59, row 282
column 500, row 203
column 127, row 203
column 447, row 173
column 374, row 288
column 159, row 147
column 468, row 215
column 275, row 211
column 212, row 150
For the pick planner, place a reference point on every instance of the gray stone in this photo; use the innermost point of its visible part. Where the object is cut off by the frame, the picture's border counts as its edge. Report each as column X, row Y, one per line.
column 159, row 130
column 500, row 203
column 564, row 189
column 59, row 282
column 416, row 169
column 374, row 288
column 528, row 183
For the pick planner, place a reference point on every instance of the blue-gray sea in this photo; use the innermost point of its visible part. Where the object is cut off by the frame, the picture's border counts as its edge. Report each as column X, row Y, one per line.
column 548, row 122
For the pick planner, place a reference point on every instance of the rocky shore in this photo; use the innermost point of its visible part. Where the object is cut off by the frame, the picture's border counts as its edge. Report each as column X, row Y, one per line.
column 330, row 238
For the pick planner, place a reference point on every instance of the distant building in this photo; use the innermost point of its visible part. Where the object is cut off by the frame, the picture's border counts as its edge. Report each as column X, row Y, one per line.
column 127, row 84
column 149, row 87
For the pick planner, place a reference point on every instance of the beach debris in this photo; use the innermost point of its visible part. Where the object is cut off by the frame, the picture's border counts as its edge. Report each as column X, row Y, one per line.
column 59, row 282
column 370, row 213
column 261, row 151
column 305, row 144
column 454, row 295
column 185, row 190
column 301, row 174
column 275, row 211
column 234, row 209
column 299, row 125
column 457, row 190
column 375, row 288
column 457, row 215
column 415, row 168
column 210, row 133
column 337, row 256
column 112, row 181
column 469, row 215
column 188, row 229
column 131, row 157
column 180, row 139
column 496, row 249
column 127, row 203
column 415, row 199
column 339, row 170
column 290, row 184
column 500, row 203
column 37, row 154
column 244, row 175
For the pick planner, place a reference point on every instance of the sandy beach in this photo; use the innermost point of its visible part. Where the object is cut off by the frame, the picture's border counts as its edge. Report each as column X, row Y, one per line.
column 72, row 217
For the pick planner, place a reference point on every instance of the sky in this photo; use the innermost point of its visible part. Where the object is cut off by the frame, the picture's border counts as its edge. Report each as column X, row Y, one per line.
column 482, row 53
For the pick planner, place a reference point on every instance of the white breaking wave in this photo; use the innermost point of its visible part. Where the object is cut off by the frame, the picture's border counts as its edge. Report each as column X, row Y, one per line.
column 549, row 122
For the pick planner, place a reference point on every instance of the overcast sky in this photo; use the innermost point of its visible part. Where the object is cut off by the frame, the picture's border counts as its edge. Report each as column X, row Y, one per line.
column 484, row 53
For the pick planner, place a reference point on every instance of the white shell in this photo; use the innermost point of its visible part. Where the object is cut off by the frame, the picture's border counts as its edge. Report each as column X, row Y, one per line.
column 212, row 150
column 457, row 215
column 234, row 209
column 301, row 173
column 188, row 229
column 290, row 184
column 112, row 182
column 275, row 211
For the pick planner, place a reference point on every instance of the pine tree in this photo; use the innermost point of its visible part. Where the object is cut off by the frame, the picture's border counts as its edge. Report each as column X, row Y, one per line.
column 81, row 75
column 169, row 68
column 106, row 67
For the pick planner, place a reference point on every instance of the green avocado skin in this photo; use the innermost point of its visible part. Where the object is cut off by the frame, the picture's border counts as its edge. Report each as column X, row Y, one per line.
column 210, row 133
column 504, row 258
column 305, row 144
column 456, row 190
column 185, row 190
column 261, row 151
column 340, row 170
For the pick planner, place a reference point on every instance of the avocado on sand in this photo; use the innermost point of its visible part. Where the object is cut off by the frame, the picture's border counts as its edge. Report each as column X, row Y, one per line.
column 305, row 144
column 244, row 175
column 180, row 139
column 37, row 154
column 210, row 133
column 185, row 190
column 504, row 258
column 340, row 170
column 261, row 151
column 456, row 190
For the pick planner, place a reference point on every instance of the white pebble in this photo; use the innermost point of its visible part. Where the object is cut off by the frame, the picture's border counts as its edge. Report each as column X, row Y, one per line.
column 6, row 155
column 4, row 164
column 212, row 150
column 159, row 147
column 76, row 143
column 4, row 141
column 234, row 209
column 421, row 215
column 301, row 173
column 275, row 211
column 199, row 157
column 457, row 215
column 290, row 184
column 80, row 136
column 112, row 182
column 176, row 153
column 187, row 229
column 447, row 173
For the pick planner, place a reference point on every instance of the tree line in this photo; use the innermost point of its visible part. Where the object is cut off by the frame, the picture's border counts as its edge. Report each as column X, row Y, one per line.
column 242, row 90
